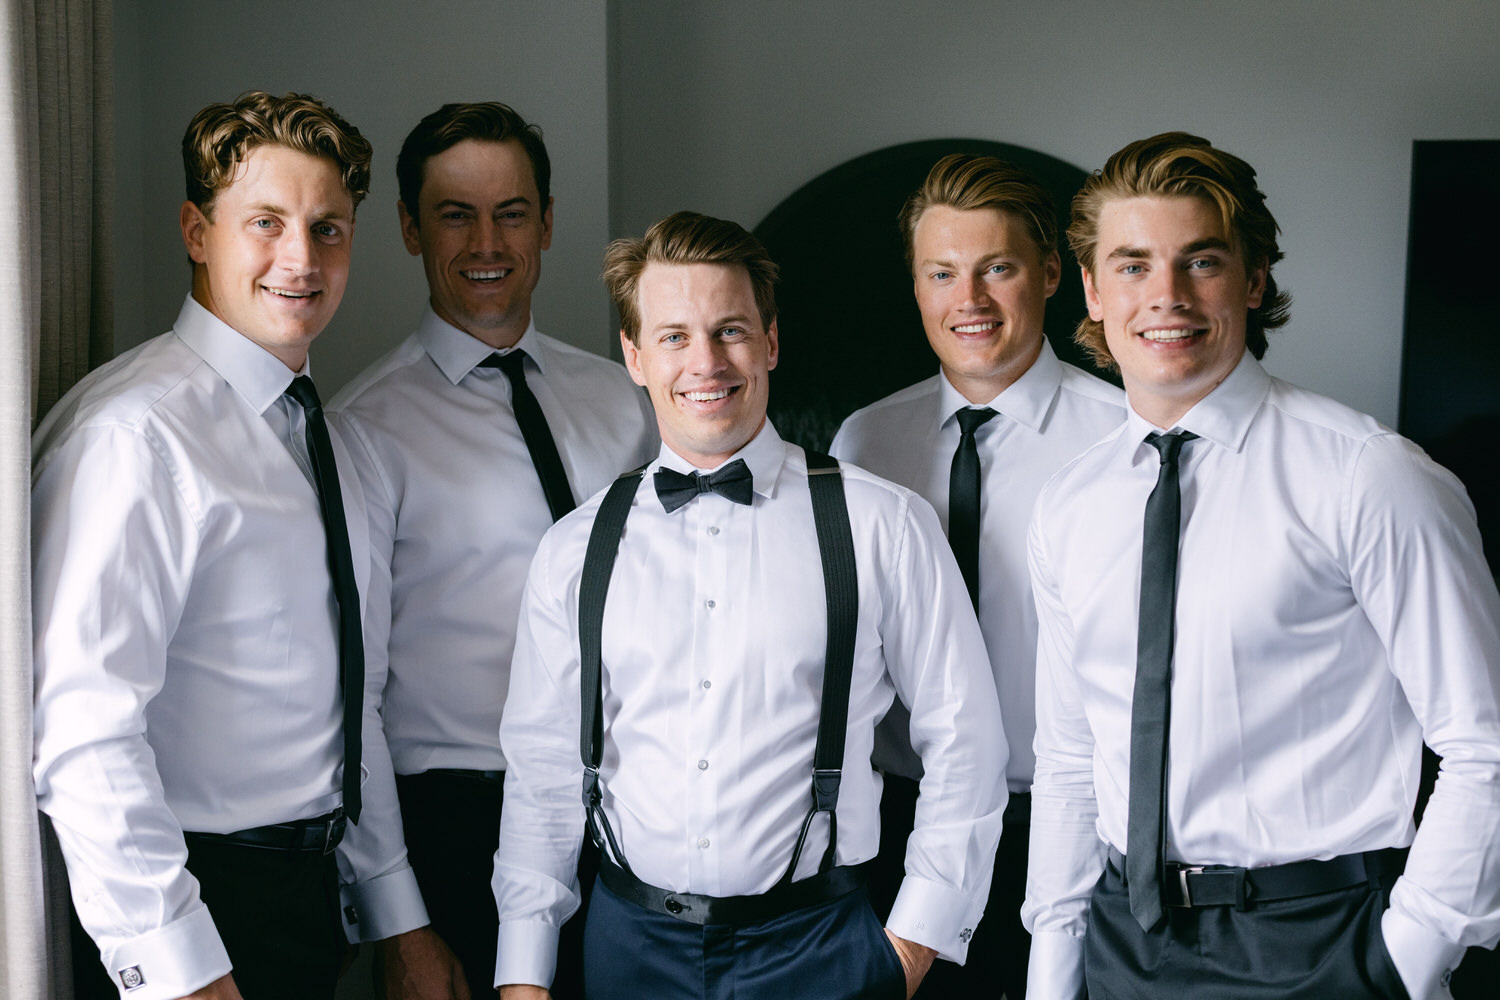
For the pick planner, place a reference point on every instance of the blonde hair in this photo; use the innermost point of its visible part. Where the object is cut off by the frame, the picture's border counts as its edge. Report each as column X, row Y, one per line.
column 220, row 136
column 687, row 238
column 1176, row 164
column 967, row 181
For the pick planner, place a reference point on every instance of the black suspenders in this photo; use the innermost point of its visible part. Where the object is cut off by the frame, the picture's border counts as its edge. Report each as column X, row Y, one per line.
column 841, row 587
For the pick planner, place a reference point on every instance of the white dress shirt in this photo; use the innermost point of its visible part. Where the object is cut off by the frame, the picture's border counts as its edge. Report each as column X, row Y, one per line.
column 185, row 632
column 456, row 511
column 1046, row 417
column 1333, row 608
column 714, row 636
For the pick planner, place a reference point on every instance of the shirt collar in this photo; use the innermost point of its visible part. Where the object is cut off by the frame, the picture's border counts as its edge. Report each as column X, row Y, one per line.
column 257, row 375
column 1223, row 416
column 764, row 454
column 1027, row 400
column 456, row 352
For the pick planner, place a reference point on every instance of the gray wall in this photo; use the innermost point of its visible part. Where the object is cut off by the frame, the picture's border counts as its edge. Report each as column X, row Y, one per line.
column 727, row 107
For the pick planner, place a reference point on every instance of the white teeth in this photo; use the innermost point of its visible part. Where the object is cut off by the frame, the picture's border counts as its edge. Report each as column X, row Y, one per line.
column 289, row 295
column 1168, row 336
column 706, row 397
column 486, row 275
column 976, row 327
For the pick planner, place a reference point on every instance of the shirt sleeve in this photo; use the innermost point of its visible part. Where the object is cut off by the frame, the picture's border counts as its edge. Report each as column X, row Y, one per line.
column 1418, row 573
column 1067, row 855
column 937, row 661
column 542, row 825
column 113, row 552
column 378, row 889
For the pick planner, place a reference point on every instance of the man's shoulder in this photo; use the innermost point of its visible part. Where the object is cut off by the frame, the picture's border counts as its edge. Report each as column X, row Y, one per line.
column 1322, row 414
column 897, row 408
column 1088, row 386
column 382, row 377
column 576, row 366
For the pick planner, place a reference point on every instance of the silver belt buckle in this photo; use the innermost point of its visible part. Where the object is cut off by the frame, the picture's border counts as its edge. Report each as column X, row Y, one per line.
column 1182, row 880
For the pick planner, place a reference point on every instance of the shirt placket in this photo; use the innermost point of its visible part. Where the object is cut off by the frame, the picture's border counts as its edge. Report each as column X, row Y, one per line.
column 712, row 519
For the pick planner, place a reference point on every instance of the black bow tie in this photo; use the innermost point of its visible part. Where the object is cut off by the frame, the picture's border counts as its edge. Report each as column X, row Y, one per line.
column 733, row 482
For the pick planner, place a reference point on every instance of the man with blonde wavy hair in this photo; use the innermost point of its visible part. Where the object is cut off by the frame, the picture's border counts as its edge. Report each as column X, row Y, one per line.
column 977, row 441
column 1255, row 605
column 199, row 672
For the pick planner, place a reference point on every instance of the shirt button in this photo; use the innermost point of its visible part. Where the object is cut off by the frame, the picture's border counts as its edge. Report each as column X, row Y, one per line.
column 703, row 765
column 713, row 530
column 712, row 605
column 707, row 685
column 702, row 841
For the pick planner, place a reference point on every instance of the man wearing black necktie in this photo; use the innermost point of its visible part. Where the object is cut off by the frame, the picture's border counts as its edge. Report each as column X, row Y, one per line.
column 470, row 438
column 736, row 647
column 1255, row 605
column 199, row 559
column 978, row 440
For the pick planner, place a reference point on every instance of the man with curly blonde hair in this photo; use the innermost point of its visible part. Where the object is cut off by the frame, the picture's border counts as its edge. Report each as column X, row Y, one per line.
column 199, row 672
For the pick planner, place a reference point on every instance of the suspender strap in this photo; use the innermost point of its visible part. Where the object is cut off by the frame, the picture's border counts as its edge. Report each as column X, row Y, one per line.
column 598, row 565
column 841, row 586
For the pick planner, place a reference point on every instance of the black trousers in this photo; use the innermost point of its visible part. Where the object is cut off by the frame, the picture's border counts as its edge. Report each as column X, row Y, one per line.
column 277, row 913
column 452, row 824
column 1001, row 947
column 832, row 951
column 1312, row 948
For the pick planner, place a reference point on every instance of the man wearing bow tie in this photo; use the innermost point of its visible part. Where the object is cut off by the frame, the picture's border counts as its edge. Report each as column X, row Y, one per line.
column 723, row 611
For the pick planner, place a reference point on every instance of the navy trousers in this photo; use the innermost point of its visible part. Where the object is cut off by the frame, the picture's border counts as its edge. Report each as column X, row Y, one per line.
column 833, row 951
column 1313, row 948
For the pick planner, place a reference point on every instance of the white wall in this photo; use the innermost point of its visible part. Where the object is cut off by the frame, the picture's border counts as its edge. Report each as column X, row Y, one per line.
column 382, row 64
column 727, row 106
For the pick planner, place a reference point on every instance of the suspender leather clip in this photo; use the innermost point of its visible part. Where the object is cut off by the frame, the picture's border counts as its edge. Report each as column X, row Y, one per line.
column 826, row 788
column 590, row 786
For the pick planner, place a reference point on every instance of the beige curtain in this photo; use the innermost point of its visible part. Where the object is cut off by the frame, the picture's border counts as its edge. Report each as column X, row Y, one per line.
column 55, row 309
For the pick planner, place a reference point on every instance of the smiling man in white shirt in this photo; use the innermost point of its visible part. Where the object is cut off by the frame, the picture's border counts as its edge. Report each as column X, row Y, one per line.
column 724, row 874
column 470, row 438
column 197, row 637
column 1003, row 411
column 1224, row 791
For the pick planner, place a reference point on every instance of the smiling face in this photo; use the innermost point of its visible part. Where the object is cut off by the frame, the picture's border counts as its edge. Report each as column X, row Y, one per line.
column 273, row 260
column 982, row 286
column 703, row 356
column 1173, row 292
column 481, row 230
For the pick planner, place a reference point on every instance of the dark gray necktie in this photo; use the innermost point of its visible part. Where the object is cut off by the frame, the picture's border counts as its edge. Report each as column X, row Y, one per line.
column 1151, row 709
column 535, row 432
column 345, row 590
column 963, row 498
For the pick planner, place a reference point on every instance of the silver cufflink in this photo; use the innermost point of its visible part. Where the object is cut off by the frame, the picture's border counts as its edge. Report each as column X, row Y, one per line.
column 131, row 978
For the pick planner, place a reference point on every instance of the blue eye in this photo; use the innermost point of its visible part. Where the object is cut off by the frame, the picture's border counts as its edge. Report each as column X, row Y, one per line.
column 941, row 275
column 999, row 268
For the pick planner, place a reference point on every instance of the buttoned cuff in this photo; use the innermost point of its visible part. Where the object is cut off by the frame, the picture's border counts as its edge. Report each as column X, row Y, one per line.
column 1424, row 959
column 171, row 961
column 526, row 954
column 382, row 907
column 1055, row 971
column 935, row 915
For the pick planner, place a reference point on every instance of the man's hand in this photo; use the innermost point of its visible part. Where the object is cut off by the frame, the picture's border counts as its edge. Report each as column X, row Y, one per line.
column 519, row 992
column 418, row 965
column 916, row 959
column 222, row 988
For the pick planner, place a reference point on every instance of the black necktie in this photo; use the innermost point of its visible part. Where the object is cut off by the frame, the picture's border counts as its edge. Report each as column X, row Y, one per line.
column 345, row 590
column 534, row 429
column 1151, row 708
column 732, row 482
column 963, row 498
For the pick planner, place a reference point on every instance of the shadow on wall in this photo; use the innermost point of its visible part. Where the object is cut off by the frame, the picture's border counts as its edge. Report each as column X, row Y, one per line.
column 850, row 329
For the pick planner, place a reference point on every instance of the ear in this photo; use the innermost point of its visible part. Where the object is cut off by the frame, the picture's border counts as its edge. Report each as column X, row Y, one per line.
column 1257, row 286
column 1091, row 297
column 411, row 234
column 773, row 346
column 1052, row 268
column 195, row 227
column 547, row 225
column 632, row 359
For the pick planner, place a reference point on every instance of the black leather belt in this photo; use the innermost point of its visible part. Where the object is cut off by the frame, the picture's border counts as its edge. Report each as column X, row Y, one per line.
column 738, row 910
column 321, row 834
column 495, row 777
column 1224, row 885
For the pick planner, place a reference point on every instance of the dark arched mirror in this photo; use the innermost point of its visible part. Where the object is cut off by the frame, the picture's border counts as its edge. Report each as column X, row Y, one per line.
column 850, row 330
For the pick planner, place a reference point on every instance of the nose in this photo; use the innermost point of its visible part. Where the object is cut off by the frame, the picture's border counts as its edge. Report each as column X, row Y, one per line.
column 1169, row 288
column 975, row 292
column 487, row 238
column 297, row 251
column 706, row 356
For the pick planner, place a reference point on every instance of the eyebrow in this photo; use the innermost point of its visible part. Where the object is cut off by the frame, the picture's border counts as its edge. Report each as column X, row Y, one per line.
column 1004, row 253
column 1141, row 253
column 456, row 203
column 323, row 216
